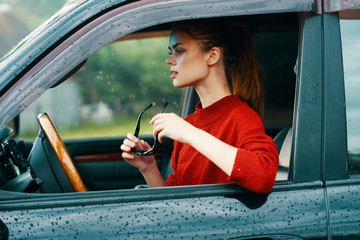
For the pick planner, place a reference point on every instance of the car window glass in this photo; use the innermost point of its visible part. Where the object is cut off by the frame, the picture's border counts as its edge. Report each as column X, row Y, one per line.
column 351, row 61
column 106, row 95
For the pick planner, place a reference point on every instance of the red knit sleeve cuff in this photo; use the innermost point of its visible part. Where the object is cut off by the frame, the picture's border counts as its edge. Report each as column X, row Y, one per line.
column 171, row 181
column 254, row 172
column 242, row 165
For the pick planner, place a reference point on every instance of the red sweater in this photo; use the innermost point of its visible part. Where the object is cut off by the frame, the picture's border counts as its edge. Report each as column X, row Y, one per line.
column 235, row 123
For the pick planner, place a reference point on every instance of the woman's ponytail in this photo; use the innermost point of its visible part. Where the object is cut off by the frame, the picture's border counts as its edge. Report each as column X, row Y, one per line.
column 244, row 75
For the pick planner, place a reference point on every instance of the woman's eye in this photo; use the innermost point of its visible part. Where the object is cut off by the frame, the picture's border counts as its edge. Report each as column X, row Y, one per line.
column 179, row 51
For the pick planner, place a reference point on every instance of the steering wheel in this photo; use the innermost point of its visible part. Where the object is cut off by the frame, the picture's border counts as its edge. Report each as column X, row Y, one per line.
column 62, row 154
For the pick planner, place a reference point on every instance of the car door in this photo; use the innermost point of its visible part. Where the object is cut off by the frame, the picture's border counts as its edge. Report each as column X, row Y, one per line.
column 343, row 184
column 296, row 208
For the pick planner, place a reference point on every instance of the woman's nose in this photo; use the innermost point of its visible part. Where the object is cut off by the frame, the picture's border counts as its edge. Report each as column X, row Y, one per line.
column 170, row 60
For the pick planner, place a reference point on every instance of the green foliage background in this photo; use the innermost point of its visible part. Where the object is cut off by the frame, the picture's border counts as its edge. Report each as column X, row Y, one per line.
column 34, row 12
column 128, row 75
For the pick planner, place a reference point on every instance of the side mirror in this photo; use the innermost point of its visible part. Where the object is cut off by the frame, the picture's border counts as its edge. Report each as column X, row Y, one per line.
column 15, row 126
column 4, row 231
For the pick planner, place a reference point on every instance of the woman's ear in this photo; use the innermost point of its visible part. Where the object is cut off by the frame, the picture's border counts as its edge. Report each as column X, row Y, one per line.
column 214, row 56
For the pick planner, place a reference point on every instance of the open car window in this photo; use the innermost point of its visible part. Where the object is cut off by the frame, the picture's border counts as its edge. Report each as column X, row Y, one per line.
column 99, row 103
column 104, row 97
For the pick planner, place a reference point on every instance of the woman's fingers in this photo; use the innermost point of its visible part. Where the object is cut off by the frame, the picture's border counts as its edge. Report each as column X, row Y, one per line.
column 166, row 125
column 125, row 148
column 132, row 138
column 129, row 143
column 142, row 145
column 159, row 131
column 159, row 122
column 127, row 156
column 172, row 126
column 141, row 162
column 157, row 116
column 161, row 135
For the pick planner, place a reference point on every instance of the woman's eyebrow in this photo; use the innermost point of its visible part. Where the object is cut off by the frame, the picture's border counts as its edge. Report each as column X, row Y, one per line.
column 175, row 45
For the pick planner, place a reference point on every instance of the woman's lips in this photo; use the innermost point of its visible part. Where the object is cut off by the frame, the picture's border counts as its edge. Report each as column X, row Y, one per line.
column 173, row 74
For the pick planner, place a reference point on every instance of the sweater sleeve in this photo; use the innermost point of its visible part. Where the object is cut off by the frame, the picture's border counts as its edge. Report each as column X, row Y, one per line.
column 256, row 162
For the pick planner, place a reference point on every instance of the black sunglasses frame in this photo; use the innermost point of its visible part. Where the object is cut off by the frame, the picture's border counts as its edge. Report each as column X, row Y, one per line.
column 137, row 130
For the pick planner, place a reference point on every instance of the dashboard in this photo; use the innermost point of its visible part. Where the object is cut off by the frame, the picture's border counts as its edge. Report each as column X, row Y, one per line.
column 15, row 172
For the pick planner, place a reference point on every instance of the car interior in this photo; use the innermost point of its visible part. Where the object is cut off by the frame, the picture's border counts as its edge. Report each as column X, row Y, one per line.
column 32, row 165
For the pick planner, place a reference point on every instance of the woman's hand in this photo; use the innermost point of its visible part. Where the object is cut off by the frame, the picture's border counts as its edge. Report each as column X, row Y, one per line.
column 140, row 162
column 172, row 126
column 176, row 128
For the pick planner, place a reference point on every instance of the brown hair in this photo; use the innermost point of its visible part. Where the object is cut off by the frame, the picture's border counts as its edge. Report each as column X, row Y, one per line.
column 240, row 62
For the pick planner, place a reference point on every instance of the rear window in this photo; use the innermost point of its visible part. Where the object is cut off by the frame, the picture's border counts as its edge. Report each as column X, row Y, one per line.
column 350, row 37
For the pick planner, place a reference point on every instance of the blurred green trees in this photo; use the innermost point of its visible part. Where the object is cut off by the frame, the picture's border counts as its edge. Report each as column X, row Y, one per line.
column 128, row 75
column 34, row 12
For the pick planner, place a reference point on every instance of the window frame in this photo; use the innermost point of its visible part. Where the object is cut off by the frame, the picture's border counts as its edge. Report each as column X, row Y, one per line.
column 334, row 113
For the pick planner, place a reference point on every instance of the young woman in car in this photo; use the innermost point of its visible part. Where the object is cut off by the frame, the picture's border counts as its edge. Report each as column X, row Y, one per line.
column 224, row 140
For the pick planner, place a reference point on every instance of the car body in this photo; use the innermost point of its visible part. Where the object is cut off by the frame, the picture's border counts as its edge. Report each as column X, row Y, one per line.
column 317, row 198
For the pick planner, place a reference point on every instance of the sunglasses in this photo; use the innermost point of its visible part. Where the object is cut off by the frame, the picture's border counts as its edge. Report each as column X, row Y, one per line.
column 137, row 130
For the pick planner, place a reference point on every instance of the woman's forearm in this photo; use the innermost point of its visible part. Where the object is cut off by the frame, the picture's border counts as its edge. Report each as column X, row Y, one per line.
column 220, row 153
column 153, row 177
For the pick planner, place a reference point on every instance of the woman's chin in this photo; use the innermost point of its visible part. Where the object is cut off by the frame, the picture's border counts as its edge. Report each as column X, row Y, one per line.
column 177, row 84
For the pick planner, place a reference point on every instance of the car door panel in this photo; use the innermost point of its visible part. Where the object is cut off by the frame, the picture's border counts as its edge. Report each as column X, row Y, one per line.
column 101, row 165
column 344, row 208
column 209, row 211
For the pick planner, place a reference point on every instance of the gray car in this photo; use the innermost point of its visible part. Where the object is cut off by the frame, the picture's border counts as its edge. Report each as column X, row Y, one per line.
column 71, row 90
